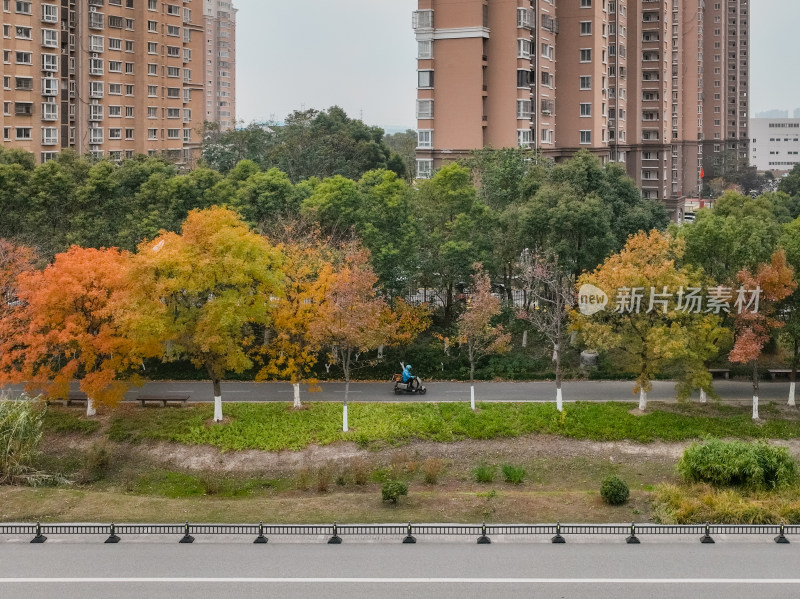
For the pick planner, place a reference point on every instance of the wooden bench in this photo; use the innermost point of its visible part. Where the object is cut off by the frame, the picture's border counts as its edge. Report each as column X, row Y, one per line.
column 163, row 399
column 775, row 372
column 720, row 372
column 72, row 397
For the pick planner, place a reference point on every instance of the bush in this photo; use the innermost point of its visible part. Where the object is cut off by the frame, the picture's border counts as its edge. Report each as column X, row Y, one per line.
column 432, row 468
column 513, row 474
column 484, row 473
column 614, row 490
column 20, row 435
column 392, row 490
column 738, row 464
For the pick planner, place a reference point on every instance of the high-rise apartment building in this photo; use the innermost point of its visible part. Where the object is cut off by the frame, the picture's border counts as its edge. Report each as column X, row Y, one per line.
column 110, row 78
column 660, row 85
column 220, row 63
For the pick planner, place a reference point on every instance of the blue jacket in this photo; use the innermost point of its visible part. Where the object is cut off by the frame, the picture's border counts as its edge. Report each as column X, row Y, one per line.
column 407, row 376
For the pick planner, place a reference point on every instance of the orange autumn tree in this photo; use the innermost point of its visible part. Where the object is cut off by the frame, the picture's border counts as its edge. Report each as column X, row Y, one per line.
column 67, row 327
column 355, row 319
column 754, row 327
column 293, row 348
column 475, row 330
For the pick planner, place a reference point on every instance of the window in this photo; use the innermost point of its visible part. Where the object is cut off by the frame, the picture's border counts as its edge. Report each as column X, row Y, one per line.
column 97, row 43
column 586, row 3
column 95, row 112
column 425, row 79
column 49, row 13
column 424, row 109
column 173, row 113
column 523, row 78
column 586, row 82
column 152, row 48
column 173, row 92
column 50, row 38
column 23, row 108
column 152, row 134
column 424, row 168
column 586, row 55
column 24, row 58
column 173, row 9
column 23, row 133
column 23, row 83
column 95, row 66
column 524, row 19
column 425, row 138
column 152, row 69
column 23, row 8
column 115, row 22
column 129, row 112
column 49, row 62
column 425, row 50
column 115, row 133
column 128, row 46
column 23, row 33
column 547, row 79
column 49, row 136
column 114, row 89
column 129, row 68
column 586, row 109
column 152, row 26
column 114, row 66
column 152, row 91
column 422, row 19
column 586, row 137
column 152, row 4
column 96, row 135
column 586, row 28
column 49, row 111
column 524, row 138
column 96, row 20
column 128, row 133
column 173, row 51
column 173, row 30
column 523, row 109
column 524, row 48
column 173, row 133
column 152, row 112
column 96, row 89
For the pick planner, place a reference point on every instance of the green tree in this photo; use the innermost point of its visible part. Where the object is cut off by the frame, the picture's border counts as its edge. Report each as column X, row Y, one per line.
column 790, row 184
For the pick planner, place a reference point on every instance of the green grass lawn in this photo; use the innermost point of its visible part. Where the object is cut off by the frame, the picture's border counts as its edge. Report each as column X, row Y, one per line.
column 275, row 427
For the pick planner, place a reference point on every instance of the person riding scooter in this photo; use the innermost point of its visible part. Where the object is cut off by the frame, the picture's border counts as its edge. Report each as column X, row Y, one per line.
column 408, row 378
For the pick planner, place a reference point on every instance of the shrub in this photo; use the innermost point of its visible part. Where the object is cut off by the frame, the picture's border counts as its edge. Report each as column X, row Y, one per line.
column 324, row 474
column 614, row 490
column 20, row 435
column 484, row 473
column 432, row 468
column 392, row 490
column 98, row 460
column 360, row 469
column 738, row 464
column 513, row 474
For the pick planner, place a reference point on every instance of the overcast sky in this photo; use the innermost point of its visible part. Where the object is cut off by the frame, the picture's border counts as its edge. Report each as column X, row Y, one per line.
column 360, row 54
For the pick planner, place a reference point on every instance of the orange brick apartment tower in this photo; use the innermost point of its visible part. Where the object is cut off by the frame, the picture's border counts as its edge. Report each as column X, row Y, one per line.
column 111, row 78
column 220, row 63
column 625, row 79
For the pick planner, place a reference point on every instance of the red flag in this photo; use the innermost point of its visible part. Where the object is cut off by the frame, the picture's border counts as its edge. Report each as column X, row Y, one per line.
column 702, row 173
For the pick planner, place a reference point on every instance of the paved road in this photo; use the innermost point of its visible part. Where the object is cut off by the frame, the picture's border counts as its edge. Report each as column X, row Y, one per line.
column 454, row 570
column 538, row 391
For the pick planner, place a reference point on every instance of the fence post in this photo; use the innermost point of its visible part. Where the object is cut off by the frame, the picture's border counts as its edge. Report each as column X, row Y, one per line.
column 409, row 537
column 706, row 538
column 558, row 538
column 483, row 539
column 113, row 538
column 335, row 539
column 260, row 539
column 39, row 538
column 781, row 538
column 187, row 538
column 633, row 539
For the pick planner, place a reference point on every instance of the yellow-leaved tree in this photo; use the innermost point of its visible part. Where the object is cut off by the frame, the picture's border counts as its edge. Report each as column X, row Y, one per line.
column 204, row 294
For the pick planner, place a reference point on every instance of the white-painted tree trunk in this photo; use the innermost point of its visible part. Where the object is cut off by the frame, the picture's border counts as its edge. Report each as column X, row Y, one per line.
column 345, row 424
column 791, row 394
column 296, row 387
column 525, row 338
column 90, row 411
column 755, row 407
column 472, row 396
column 703, row 397
column 218, row 408
column 642, row 400
column 559, row 400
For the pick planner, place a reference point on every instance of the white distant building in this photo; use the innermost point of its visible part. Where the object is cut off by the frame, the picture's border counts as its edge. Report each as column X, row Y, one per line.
column 774, row 144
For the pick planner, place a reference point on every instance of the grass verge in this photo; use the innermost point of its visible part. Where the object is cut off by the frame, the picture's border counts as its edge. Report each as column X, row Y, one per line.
column 275, row 427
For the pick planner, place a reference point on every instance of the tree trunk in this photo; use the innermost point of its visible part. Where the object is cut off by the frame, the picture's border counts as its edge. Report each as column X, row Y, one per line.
column 217, row 400
column 755, row 390
column 296, row 388
column 642, row 400
column 525, row 338
column 345, row 423
column 472, row 383
column 90, row 411
column 559, row 400
column 793, row 374
column 703, row 398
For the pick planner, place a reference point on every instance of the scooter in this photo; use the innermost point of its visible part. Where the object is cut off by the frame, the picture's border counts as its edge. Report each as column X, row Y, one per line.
column 412, row 386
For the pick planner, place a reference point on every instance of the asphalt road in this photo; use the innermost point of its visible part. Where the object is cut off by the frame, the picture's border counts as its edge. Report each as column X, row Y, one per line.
column 455, row 570
column 538, row 391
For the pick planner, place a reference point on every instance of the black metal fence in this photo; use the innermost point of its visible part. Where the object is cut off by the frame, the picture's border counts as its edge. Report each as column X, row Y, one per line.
column 557, row 533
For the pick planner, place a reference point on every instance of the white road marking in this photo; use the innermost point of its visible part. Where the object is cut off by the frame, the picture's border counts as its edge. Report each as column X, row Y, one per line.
column 625, row 581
